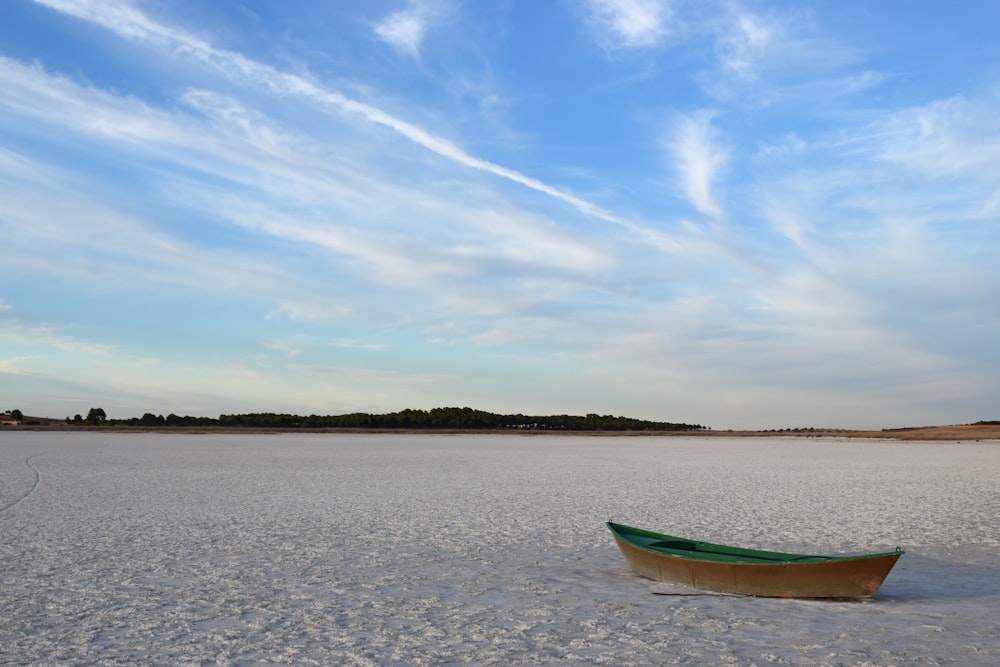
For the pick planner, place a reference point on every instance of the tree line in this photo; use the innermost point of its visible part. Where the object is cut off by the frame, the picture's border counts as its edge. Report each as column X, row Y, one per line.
column 436, row 418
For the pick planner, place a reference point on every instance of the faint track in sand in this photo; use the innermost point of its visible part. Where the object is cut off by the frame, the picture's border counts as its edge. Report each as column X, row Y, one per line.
column 34, row 485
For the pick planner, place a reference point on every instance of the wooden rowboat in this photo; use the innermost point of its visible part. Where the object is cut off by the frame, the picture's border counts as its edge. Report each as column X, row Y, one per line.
column 723, row 569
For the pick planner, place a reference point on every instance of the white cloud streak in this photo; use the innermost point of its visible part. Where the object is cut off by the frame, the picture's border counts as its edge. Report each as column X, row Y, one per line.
column 404, row 30
column 286, row 191
column 629, row 24
column 15, row 332
column 744, row 44
column 699, row 158
column 132, row 24
column 947, row 138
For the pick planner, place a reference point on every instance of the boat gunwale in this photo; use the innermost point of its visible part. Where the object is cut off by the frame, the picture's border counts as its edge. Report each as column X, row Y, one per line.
column 721, row 553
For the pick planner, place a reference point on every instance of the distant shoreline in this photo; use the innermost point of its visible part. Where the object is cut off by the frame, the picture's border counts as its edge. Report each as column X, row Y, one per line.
column 974, row 432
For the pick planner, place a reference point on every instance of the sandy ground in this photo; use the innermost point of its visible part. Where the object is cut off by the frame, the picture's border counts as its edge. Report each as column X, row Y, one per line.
column 967, row 432
column 479, row 549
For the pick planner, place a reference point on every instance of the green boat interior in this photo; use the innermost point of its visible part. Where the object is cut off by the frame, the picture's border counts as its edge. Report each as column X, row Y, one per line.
column 707, row 551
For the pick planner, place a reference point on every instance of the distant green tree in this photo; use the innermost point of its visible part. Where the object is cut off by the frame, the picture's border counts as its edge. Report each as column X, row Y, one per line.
column 96, row 416
column 16, row 415
column 149, row 419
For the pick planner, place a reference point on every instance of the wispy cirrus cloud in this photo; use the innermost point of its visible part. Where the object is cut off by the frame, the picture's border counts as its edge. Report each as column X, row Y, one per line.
column 133, row 24
column 744, row 43
column 405, row 29
column 769, row 55
column 352, row 344
column 14, row 331
column 312, row 311
column 699, row 157
column 290, row 347
column 956, row 136
column 371, row 236
column 629, row 24
column 17, row 365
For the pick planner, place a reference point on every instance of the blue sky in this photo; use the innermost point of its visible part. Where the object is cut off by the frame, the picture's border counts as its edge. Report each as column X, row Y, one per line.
column 738, row 214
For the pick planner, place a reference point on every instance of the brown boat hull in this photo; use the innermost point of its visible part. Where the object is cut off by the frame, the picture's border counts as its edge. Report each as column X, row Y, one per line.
column 849, row 578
